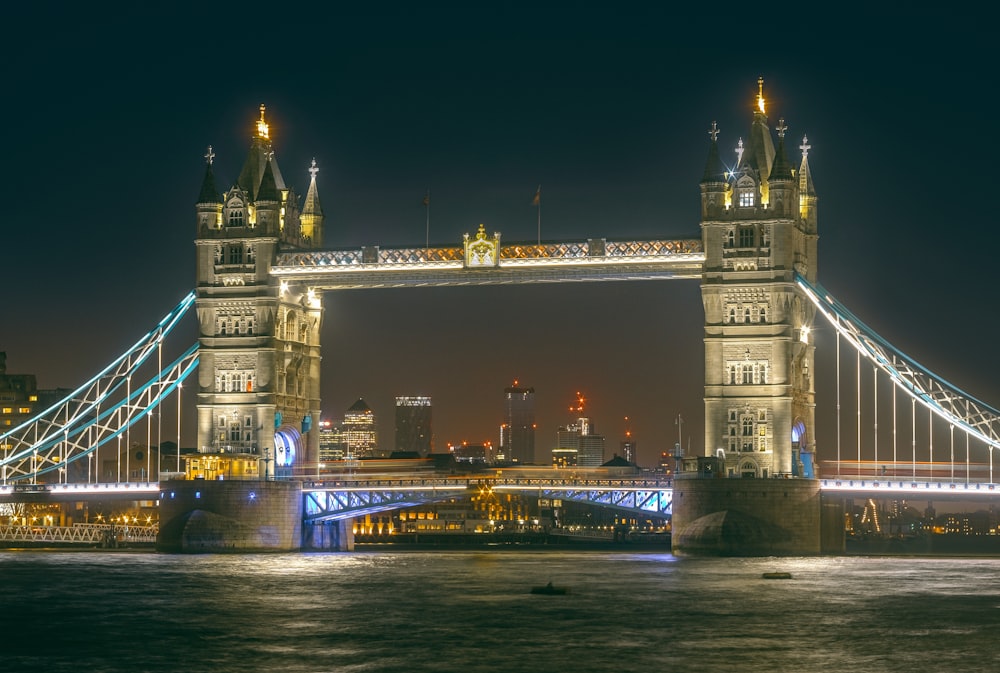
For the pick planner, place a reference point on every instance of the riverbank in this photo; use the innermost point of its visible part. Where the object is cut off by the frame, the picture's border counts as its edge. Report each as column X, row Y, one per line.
column 924, row 545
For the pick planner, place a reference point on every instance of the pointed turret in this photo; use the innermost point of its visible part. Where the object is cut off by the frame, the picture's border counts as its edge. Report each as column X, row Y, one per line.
column 268, row 204
column 781, row 183
column 261, row 155
column 311, row 218
column 759, row 154
column 209, row 205
column 713, row 182
column 807, row 191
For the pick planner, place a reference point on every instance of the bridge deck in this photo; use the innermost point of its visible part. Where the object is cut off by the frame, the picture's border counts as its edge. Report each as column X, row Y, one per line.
column 594, row 259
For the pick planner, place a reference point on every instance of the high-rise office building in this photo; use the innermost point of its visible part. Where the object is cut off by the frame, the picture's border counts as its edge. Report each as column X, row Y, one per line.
column 413, row 424
column 332, row 445
column 517, row 434
column 578, row 444
column 579, row 438
column 359, row 431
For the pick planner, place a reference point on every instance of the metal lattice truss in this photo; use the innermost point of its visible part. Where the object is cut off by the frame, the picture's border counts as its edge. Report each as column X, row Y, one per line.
column 98, row 411
column 657, row 502
column 79, row 533
column 517, row 263
column 956, row 407
column 347, row 502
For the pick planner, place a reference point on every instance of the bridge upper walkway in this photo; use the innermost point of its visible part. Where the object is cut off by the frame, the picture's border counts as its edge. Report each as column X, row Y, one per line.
column 492, row 263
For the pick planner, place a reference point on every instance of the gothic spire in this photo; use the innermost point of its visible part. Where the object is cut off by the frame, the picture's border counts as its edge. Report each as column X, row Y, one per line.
column 209, row 193
column 781, row 169
column 312, row 205
column 714, row 168
column 806, row 187
column 268, row 190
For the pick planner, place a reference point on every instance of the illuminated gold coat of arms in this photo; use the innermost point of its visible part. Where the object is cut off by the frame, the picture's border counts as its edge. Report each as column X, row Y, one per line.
column 482, row 251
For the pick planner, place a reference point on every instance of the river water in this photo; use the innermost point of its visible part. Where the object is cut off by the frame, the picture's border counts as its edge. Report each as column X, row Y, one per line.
column 471, row 611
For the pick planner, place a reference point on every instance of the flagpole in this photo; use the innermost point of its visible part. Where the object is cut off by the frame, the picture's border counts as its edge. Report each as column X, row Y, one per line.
column 427, row 204
column 538, row 203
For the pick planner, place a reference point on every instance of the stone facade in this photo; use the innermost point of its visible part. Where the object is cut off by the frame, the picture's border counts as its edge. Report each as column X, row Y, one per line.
column 759, row 230
column 259, row 369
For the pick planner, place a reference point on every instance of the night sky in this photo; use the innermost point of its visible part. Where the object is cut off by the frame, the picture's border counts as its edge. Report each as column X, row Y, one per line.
column 107, row 119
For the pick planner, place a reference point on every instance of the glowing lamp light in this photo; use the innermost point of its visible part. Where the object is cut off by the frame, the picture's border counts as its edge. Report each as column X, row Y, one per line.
column 284, row 287
column 804, row 335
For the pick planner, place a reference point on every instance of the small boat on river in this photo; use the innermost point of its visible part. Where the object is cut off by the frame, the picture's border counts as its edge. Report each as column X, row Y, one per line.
column 549, row 590
column 777, row 576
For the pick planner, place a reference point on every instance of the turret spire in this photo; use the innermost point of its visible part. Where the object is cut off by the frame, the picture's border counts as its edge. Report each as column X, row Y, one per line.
column 262, row 129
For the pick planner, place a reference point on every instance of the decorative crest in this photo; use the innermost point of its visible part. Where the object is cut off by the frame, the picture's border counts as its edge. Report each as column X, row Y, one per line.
column 482, row 251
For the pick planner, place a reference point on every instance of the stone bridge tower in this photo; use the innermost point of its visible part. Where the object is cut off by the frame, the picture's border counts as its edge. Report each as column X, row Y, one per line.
column 259, row 369
column 752, row 492
column 759, row 230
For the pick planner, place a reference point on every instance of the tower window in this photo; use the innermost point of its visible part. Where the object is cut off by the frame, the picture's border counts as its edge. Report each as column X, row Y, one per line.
column 236, row 218
column 746, row 236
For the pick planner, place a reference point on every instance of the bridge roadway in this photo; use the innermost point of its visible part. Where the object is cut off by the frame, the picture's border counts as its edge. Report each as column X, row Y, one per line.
column 337, row 499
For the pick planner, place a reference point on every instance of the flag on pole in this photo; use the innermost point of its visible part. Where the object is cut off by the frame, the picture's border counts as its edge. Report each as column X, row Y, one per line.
column 537, row 201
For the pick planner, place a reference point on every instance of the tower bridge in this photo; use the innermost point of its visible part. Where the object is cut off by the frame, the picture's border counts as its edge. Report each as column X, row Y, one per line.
column 261, row 274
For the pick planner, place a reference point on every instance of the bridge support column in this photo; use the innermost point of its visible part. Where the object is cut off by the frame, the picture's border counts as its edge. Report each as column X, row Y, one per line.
column 329, row 536
column 832, row 530
column 203, row 516
column 746, row 517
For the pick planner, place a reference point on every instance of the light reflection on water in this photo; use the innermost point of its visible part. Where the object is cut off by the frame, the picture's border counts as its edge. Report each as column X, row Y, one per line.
column 471, row 611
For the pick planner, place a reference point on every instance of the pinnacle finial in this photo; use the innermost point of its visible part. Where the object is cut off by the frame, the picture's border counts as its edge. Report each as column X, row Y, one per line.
column 781, row 128
column 805, row 146
column 209, row 155
column 760, row 94
column 262, row 130
column 313, row 170
column 714, row 131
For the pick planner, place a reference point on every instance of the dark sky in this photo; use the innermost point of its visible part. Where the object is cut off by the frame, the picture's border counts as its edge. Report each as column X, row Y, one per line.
column 107, row 119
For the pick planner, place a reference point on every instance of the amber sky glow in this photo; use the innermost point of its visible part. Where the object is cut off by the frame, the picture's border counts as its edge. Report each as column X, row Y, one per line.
column 107, row 121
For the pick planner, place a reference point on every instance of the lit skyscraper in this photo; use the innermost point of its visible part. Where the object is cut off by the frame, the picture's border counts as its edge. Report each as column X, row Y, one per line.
column 413, row 424
column 359, row 431
column 517, row 434
column 579, row 438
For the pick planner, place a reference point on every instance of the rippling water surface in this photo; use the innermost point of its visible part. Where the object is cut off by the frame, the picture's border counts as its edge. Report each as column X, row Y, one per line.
column 472, row 611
